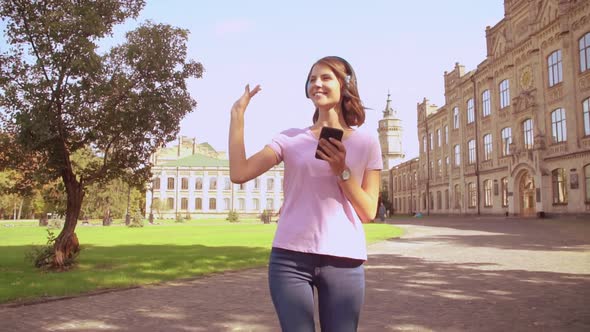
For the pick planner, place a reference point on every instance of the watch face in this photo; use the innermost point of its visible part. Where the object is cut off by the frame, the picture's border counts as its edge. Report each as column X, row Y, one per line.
column 345, row 175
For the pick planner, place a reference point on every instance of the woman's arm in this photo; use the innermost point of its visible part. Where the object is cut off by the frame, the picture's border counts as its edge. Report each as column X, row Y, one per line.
column 241, row 169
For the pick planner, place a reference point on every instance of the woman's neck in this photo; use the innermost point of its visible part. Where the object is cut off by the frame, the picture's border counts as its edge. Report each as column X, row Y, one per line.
column 330, row 118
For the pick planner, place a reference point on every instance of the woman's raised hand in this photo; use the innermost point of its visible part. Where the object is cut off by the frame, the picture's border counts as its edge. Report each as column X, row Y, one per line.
column 241, row 104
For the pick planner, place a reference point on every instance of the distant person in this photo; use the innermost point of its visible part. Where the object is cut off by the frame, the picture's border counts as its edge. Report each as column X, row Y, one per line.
column 319, row 242
column 381, row 212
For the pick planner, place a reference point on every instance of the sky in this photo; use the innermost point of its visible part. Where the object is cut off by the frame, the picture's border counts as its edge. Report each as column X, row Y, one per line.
column 400, row 47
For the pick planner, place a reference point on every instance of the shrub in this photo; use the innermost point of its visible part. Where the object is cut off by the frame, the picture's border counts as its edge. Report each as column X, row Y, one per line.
column 233, row 216
column 136, row 220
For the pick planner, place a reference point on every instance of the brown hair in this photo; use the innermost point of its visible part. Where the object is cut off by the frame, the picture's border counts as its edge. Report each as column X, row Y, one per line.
column 353, row 110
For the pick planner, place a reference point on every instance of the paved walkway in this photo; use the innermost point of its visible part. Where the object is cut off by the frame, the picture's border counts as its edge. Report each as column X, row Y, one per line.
column 476, row 274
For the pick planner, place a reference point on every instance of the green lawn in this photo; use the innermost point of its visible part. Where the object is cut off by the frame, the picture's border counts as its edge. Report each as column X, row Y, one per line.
column 119, row 256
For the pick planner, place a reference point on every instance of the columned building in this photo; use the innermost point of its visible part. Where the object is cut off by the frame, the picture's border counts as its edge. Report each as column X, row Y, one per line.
column 390, row 139
column 514, row 134
column 192, row 180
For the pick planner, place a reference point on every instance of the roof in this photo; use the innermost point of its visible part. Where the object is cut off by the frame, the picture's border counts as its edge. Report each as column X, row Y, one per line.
column 197, row 160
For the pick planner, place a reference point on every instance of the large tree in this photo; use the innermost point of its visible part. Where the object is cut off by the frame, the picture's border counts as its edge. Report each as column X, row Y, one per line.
column 59, row 94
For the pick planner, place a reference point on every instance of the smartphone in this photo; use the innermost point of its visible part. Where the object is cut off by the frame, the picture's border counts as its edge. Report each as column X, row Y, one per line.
column 326, row 133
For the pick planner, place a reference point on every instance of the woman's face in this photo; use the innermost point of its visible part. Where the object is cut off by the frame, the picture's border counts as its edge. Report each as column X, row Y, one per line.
column 323, row 87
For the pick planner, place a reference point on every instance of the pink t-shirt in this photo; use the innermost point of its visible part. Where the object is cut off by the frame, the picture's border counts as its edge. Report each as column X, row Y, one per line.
column 316, row 217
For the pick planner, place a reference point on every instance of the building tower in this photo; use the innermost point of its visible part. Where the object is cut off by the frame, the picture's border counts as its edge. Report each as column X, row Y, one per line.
column 390, row 139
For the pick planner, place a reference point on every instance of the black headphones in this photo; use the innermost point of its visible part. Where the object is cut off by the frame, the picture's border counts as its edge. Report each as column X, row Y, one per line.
column 350, row 77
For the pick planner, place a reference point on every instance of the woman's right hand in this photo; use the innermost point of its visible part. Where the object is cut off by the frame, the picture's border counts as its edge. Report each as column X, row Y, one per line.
column 241, row 104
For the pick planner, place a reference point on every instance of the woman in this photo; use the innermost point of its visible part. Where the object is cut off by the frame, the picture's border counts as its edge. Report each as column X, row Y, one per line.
column 319, row 242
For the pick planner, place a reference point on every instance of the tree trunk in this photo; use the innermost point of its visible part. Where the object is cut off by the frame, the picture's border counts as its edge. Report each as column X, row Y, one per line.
column 66, row 244
column 20, row 209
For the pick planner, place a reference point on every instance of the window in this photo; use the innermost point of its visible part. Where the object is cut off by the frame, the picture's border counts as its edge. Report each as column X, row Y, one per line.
column 586, row 109
column 472, row 190
column 487, row 147
column 554, row 68
column 447, row 199
column 198, row 204
column 256, row 204
column 487, row 193
column 270, row 184
column 457, row 155
column 457, row 196
column 446, row 134
column 439, row 168
column 269, row 204
column 506, row 134
column 184, row 203
column 587, row 181
column 585, row 52
column 438, row 138
column 212, row 204
column 470, row 111
column 558, row 127
column 170, row 203
column 156, row 204
column 184, row 184
column 226, row 183
column 242, row 186
column 527, row 130
column 558, row 180
column 199, row 183
column 241, row 204
column 438, row 200
column 256, row 183
column 213, row 183
column 504, row 94
column 170, row 184
column 447, row 165
column 486, row 105
column 455, row 117
column 424, row 143
column 226, row 204
column 156, row 184
column 504, row 182
column 431, row 200
column 471, row 151
column 431, row 136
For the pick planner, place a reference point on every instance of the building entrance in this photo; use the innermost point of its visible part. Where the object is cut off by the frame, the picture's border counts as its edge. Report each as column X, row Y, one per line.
column 527, row 195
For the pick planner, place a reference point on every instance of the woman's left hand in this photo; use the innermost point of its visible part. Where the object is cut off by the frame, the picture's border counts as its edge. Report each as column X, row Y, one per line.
column 334, row 153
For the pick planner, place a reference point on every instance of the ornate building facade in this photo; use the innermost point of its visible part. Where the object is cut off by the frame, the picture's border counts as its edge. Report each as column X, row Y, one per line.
column 514, row 134
column 192, row 181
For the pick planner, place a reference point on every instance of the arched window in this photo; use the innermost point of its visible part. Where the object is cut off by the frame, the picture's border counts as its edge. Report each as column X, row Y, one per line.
column 504, row 94
column 457, row 149
column 170, row 183
column 456, row 117
column 504, row 182
column 198, row 204
column 457, row 195
column 470, row 111
column 586, row 116
column 554, row 69
column 558, row 180
column 170, row 203
column 226, row 205
column 527, row 131
column 212, row 183
column 506, row 134
column 486, row 104
column 212, row 204
column 241, row 204
column 558, row 126
column 199, row 183
column 156, row 184
column 184, row 184
column 584, row 43
column 487, row 147
column 471, row 151
column 472, row 191
column 487, row 193
column 256, row 204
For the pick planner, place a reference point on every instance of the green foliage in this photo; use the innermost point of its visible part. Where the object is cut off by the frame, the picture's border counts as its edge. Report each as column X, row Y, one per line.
column 72, row 113
column 179, row 218
column 233, row 216
column 42, row 256
column 266, row 216
column 136, row 221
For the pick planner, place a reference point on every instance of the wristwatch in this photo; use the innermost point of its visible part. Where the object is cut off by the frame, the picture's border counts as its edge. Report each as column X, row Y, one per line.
column 345, row 175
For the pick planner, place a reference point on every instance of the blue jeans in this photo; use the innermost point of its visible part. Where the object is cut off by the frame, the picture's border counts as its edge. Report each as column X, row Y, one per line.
column 340, row 284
